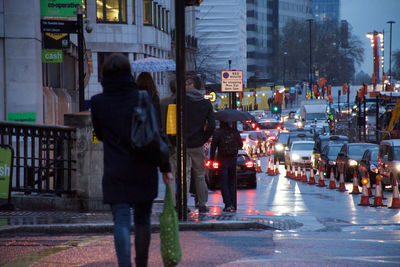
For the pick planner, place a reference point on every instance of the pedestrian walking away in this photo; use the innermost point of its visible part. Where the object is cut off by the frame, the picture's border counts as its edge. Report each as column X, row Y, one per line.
column 130, row 179
column 199, row 126
column 228, row 141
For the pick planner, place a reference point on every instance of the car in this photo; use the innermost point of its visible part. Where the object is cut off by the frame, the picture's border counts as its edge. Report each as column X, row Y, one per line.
column 268, row 124
column 280, row 145
column 245, row 172
column 301, row 153
column 327, row 158
column 322, row 140
column 349, row 157
column 248, row 143
column 369, row 164
column 389, row 161
column 258, row 137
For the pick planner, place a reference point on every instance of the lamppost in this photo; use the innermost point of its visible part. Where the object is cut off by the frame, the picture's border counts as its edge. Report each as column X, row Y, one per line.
column 310, row 71
column 284, row 68
column 390, row 52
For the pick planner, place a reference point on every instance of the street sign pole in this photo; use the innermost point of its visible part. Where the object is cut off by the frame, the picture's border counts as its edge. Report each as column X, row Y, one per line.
column 80, row 60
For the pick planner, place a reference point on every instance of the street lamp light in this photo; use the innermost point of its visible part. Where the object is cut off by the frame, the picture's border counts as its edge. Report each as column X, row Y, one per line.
column 390, row 52
column 310, row 71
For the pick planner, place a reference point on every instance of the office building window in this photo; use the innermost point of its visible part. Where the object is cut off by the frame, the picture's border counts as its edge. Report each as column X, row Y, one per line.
column 155, row 14
column 163, row 20
column 167, row 21
column 111, row 11
column 159, row 10
column 133, row 11
column 147, row 12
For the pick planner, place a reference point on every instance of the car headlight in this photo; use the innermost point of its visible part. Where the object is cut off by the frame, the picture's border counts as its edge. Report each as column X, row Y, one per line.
column 279, row 147
column 332, row 162
column 353, row 162
column 398, row 167
column 295, row 157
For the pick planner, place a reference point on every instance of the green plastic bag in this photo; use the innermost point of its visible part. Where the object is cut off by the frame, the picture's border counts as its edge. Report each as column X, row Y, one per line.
column 169, row 232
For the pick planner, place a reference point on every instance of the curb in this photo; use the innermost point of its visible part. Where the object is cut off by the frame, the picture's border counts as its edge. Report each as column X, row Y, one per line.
column 109, row 227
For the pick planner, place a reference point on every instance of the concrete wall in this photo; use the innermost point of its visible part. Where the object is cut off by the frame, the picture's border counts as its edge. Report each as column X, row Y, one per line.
column 20, row 60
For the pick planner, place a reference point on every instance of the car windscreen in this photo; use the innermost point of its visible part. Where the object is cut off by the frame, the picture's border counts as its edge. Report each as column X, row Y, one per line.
column 396, row 153
column 374, row 155
column 325, row 142
column 303, row 146
column 358, row 150
column 333, row 150
column 268, row 125
column 313, row 116
column 242, row 159
column 283, row 138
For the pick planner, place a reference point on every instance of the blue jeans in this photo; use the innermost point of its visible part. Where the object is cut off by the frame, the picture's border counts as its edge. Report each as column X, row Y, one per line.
column 122, row 217
column 228, row 176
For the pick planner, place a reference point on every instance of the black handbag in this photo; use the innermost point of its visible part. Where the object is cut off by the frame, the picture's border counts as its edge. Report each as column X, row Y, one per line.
column 146, row 135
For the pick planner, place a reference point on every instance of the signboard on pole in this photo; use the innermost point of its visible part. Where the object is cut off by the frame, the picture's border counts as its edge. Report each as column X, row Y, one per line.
column 58, row 8
column 52, row 56
column 6, row 155
column 232, row 81
column 59, row 26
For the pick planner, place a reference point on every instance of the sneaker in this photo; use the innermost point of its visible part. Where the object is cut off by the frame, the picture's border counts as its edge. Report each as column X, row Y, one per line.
column 204, row 209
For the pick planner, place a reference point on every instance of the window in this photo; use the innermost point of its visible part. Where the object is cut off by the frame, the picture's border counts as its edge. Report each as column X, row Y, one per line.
column 84, row 8
column 167, row 21
column 155, row 14
column 159, row 10
column 111, row 11
column 133, row 11
column 147, row 12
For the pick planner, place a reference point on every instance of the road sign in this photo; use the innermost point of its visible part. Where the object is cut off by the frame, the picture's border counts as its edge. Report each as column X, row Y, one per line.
column 55, row 40
column 52, row 56
column 6, row 156
column 232, row 81
column 59, row 26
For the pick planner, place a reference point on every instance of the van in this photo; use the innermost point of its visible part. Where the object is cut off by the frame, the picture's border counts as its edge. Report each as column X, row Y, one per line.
column 389, row 161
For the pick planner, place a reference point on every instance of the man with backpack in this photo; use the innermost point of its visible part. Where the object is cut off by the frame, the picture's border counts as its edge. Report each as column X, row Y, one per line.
column 228, row 142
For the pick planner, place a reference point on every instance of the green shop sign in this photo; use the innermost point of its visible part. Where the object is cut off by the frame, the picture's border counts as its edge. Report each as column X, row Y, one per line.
column 29, row 117
column 6, row 155
column 58, row 8
column 52, row 56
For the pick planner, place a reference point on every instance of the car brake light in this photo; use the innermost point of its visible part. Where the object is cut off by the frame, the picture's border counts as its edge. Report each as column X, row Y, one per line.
column 253, row 125
column 249, row 164
column 271, row 138
column 215, row 165
column 256, row 141
column 208, row 163
column 278, row 127
column 258, row 128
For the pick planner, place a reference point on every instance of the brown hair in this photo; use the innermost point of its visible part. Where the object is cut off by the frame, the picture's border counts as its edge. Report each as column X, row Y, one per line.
column 145, row 82
column 116, row 63
column 172, row 86
column 195, row 80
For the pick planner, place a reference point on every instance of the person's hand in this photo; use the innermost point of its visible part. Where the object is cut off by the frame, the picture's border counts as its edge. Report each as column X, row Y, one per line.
column 167, row 177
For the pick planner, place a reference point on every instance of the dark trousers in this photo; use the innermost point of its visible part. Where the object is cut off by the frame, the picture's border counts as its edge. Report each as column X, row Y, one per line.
column 228, row 176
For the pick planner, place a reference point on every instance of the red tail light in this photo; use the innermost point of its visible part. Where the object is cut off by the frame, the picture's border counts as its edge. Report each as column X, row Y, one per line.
column 208, row 163
column 271, row 138
column 215, row 165
column 249, row 164
column 253, row 125
column 256, row 141
column 278, row 127
column 258, row 128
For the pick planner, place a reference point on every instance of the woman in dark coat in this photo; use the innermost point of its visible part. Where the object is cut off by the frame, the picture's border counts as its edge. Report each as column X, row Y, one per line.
column 130, row 179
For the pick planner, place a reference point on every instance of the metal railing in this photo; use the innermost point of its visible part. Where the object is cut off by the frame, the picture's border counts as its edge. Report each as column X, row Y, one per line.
column 42, row 160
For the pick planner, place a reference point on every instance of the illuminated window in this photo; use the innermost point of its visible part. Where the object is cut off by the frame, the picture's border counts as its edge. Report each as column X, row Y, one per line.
column 159, row 10
column 84, row 8
column 147, row 12
column 111, row 11
column 163, row 20
column 133, row 11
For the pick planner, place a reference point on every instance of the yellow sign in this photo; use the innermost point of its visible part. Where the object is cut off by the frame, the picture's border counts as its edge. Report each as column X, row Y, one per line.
column 94, row 138
column 56, row 36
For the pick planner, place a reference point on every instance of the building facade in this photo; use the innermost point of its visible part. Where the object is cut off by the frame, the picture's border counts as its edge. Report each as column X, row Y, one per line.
column 221, row 34
column 326, row 10
column 300, row 10
column 37, row 92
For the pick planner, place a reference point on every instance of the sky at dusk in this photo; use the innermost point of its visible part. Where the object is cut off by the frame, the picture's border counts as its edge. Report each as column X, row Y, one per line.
column 368, row 15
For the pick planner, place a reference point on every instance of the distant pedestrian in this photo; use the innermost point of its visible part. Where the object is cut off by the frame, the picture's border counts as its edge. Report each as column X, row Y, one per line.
column 145, row 82
column 199, row 126
column 228, row 141
column 130, row 179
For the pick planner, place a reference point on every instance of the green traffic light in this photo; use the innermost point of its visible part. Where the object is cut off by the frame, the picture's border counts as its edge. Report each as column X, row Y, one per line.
column 275, row 108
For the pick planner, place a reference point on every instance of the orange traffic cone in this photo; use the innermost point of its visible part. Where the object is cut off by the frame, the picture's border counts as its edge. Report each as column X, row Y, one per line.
column 258, row 169
column 355, row 184
column 332, row 183
column 321, row 181
column 263, row 150
column 369, row 186
column 277, row 167
column 298, row 176
column 288, row 174
column 342, row 187
column 396, row 197
column 304, row 175
column 268, row 170
column 364, row 196
column 293, row 171
column 378, row 195
column 312, row 179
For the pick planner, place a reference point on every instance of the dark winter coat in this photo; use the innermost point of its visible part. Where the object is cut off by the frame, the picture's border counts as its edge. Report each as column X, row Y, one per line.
column 200, row 121
column 219, row 136
column 128, row 177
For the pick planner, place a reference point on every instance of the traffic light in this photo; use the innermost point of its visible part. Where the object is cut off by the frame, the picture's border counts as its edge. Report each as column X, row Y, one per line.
column 238, row 102
column 276, row 109
column 193, row 2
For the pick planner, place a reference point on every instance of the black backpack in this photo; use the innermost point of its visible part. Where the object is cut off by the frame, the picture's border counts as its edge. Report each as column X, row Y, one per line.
column 228, row 145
